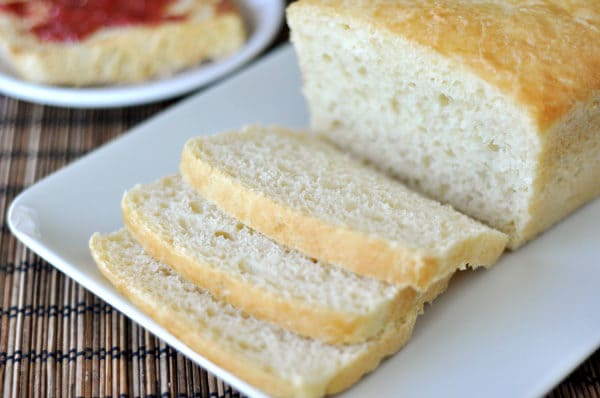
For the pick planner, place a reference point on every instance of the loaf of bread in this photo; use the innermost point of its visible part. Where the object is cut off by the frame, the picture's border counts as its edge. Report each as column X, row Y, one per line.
column 304, row 193
column 492, row 106
column 273, row 359
column 253, row 273
column 123, row 49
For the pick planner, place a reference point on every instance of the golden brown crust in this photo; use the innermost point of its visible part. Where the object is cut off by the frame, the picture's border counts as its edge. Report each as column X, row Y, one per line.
column 123, row 55
column 297, row 316
column 568, row 172
column 543, row 53
column 348, row 248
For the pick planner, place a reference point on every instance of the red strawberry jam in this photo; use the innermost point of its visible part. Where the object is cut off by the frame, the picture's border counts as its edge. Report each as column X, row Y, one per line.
column 74, row 20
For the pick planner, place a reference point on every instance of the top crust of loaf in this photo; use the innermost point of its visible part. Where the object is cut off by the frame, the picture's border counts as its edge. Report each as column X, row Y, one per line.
column 543, row 53
column 126, row 54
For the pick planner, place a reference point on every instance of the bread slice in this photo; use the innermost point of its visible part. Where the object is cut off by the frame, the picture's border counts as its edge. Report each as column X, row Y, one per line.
column 273, row 359
column 209, row 29
column 306, row 194
column 490, row 106
column 253, row 273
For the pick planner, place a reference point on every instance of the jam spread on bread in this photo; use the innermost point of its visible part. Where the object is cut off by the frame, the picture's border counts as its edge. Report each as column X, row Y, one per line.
column 74, row 20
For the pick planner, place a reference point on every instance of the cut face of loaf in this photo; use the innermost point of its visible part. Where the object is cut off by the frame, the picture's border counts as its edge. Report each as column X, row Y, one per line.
column 491, row 106
column 272, row 359
column 250, row 271
column 304, row 193
column 211, row 29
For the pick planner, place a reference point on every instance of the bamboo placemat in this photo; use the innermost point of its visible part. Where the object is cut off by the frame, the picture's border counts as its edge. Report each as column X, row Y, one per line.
column 58, row 339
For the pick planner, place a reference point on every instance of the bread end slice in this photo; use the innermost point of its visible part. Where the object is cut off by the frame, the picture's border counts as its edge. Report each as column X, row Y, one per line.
column 272, row 359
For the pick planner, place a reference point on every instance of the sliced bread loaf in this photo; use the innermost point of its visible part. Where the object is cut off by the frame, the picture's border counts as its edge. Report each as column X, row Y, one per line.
column 304, row 193
column 491, row 106
column 250, row 271
column 274, row 360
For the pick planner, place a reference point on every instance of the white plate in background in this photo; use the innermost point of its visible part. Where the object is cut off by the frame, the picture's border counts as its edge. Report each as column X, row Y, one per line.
column 515, row 330
column 263, row 19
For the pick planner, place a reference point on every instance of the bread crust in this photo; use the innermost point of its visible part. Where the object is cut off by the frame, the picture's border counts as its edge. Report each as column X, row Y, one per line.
column 123, row 54
column 389, row 341
column 543, row 53
column 568, row 172
column 292, row 314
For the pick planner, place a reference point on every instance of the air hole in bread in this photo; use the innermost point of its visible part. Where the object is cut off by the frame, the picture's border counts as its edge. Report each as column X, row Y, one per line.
column 224, row 235
column 493, row 147
column 195, row 208
column 444, row 100
column 183, row 223
column 394, row 105
column 426, row 161
column 242, row 267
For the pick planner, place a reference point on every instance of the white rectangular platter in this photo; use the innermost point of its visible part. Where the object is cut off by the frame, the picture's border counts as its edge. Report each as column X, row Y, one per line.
column 515, row 330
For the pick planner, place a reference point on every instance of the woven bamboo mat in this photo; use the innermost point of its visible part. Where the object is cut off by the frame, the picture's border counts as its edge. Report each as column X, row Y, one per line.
column 58, row 339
